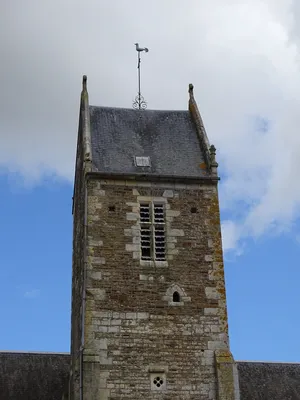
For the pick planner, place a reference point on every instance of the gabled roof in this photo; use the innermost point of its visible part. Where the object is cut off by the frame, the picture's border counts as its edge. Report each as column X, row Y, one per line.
column 172, row 143
column 33, row 376
column 168, row 138
column 269, row 381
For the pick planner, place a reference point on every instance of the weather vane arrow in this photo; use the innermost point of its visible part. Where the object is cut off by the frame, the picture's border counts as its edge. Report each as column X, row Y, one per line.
column 139, row 102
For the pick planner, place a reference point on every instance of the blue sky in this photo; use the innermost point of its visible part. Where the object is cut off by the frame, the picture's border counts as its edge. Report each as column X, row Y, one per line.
column 263, row 301
column 36, row 237
column 36, row 243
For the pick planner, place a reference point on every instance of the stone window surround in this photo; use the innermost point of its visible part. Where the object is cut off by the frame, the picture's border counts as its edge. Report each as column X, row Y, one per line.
column 158, row 371
column 134, row 230
column 169, row 296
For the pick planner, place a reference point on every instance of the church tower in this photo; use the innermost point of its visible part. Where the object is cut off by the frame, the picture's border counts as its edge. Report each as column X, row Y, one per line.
column 149, row 316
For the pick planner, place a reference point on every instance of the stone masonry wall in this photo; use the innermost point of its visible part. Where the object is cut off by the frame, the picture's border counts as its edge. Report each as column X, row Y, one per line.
column 77, row 275
column 134, row 333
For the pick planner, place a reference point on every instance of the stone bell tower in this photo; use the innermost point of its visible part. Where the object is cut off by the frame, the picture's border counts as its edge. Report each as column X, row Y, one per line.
column 149, row 316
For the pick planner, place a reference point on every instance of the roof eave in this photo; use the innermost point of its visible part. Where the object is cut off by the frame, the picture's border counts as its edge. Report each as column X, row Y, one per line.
column 153, row 177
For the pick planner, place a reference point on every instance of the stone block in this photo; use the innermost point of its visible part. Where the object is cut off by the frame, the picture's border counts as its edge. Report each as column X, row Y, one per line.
column 176, row 232
column 172, row 213
column 168, row 193
column 97, row 260
column 211, row 311
column 212, row 293
column 132, row 247
column 96, row 275
column 131, row 216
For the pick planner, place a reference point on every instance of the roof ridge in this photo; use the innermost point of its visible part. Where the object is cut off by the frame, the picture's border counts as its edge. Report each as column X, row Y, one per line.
column 141, row 111
column 32, row 352
column 267, row 362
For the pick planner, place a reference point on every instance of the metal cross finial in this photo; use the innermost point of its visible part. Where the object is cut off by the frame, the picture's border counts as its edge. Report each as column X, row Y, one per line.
column 139, row 102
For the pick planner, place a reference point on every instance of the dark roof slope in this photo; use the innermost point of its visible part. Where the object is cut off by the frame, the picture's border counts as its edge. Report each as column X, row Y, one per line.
column 33, row 376
column 169, row 138
column 269, row 381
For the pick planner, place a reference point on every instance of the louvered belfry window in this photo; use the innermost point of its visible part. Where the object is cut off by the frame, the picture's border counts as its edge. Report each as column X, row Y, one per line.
column 152, row 223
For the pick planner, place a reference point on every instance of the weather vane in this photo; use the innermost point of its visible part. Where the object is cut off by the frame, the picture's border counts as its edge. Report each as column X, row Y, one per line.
column 139, row 102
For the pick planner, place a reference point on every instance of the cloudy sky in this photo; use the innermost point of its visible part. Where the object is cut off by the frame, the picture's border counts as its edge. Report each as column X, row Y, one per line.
column 242, row 57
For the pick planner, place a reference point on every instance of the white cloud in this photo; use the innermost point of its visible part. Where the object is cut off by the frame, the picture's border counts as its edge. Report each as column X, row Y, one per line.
column 241, row 55
column 230, row 236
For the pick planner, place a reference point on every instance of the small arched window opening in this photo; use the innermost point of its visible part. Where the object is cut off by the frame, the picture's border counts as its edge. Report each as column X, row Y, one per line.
column 176, row 297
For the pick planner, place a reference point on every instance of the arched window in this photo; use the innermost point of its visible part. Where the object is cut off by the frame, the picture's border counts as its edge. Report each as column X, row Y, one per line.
column 176, row 297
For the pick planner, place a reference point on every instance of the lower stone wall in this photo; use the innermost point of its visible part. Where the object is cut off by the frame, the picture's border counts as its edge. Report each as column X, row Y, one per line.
column 130, row 349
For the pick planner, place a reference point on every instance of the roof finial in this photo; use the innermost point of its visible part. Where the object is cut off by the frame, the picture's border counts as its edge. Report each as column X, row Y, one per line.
column 213, row 162
column 212, row 151
column 84, row 80
column 139, row 101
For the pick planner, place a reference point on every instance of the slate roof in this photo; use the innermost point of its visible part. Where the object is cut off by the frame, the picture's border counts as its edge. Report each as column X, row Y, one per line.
column 44, row 376
column 269, row 381
column 169, row 138
column 33, row 376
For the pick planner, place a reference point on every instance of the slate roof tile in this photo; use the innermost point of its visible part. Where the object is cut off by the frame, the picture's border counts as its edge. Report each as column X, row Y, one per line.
column 169, row 138
column 269, row 381
column 33, row 376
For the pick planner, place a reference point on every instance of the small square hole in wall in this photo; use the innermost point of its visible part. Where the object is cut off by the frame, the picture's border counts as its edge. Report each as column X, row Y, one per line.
column 111, row 208
column 158, row 381
column 193, row 210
